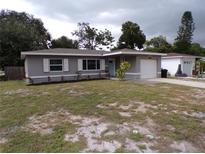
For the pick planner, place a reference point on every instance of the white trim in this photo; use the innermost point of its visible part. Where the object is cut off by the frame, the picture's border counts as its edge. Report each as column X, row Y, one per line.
column 65, row 65
column 46, row 76
column 95, row 55
column 89, row 70
column 169, row 57
column 35, row 77
column 59, row 54
column 80, row 64
column 132, row 73
column 111, row 54
column 26, row 67
column 46, row 67
column 133, row 53
column 93, row 74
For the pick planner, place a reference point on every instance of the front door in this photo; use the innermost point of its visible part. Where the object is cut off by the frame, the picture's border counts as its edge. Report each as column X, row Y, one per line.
column 111, row 65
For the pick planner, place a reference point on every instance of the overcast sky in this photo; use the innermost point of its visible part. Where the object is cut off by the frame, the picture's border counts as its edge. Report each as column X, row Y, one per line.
column 155, row 17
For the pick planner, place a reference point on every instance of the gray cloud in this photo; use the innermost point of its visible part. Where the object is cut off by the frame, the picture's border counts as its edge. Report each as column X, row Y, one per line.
column 155, row 17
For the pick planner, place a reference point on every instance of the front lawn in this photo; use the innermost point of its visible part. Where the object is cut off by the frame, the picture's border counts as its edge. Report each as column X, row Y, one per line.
column 101, row 116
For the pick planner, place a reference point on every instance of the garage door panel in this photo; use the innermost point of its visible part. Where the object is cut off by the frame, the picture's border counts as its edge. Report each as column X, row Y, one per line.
column 148, row 68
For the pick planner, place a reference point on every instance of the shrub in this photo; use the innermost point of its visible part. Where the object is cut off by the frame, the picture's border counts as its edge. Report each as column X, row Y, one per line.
column 124, row 66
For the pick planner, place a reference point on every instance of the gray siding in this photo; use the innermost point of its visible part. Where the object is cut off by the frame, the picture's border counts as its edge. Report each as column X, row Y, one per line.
column 130, row 59
column 35, row 65
column 134, row 71
column 37, row 75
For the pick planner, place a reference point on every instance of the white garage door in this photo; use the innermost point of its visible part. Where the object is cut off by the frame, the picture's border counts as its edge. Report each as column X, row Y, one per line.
column 148, row 68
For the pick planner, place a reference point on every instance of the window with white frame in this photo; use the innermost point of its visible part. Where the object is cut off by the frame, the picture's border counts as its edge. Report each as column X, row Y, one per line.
column 91, row 64
column 56, row 65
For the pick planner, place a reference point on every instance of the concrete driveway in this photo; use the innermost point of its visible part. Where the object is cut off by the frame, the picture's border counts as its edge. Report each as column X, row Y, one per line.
column 194, row 84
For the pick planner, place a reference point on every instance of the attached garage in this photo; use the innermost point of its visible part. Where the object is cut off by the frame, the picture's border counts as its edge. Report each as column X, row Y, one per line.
column 143, row 65
column 148, row 68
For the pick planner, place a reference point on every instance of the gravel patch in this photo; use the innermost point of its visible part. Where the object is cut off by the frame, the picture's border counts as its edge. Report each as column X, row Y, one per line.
column 44, row 124
column 3, row 140
column 125, row 114
column 109, row 133
column 71, row 138
column 195, row 114
column 113, row 104
column 125, row 107
column 142, row 107
column 183, row 146
column 91, row 130
column 101, row 106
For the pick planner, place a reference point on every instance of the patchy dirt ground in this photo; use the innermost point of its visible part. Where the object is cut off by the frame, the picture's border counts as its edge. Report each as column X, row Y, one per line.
column 97, row 132
column 100, row 116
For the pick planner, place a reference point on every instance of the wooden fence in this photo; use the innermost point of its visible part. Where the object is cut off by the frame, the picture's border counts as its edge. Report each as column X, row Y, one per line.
column 14, row 72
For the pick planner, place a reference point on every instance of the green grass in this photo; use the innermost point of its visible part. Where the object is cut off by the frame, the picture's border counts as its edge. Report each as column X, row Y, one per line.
column 136, row 136
column 16, row 108
column 142, row 146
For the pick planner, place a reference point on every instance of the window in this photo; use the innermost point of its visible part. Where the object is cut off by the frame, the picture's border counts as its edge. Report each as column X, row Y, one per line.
column 84, row 64
column 124, row 59
column 98, row 64
column 91, row 64
column 56, row 64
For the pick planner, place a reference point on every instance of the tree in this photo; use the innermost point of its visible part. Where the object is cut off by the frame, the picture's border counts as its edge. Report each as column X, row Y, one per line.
column 20, row 32
column 92, row 38
column 196, row 49
column 131, row 36
column 124, row 66
column 64, row 42
column 159, row 44
column 185, row 33
column 158, row 41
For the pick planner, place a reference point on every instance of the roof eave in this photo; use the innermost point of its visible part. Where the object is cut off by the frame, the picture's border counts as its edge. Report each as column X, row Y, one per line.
column 170, row 57
column 23, row 54
column 132, row 53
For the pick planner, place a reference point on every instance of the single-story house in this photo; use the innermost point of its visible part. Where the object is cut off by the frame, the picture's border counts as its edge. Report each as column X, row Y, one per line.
column 53, row 65
column 171, row 62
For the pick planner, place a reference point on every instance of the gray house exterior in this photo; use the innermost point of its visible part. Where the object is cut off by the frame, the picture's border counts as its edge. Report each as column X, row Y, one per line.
column 57, row 65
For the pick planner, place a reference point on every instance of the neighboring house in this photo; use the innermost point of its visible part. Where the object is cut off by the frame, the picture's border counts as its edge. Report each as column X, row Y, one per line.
column 172, row 60
column 53, row 65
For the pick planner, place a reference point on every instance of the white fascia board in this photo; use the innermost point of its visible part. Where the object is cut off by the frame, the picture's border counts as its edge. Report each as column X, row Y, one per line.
column 174, row 57
column 113, row 53
column 23, row 54
column 132, row 53
column 58, row 54
column 145, row 53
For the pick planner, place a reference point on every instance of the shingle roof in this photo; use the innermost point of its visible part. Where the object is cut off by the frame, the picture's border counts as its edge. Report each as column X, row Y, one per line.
column 132, row 52
column 68, row 51
column 79, row 52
